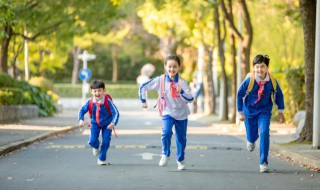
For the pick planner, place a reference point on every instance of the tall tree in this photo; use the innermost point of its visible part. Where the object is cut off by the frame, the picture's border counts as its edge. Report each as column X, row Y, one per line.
column 308, row 14
column 224, row 88
column 245, row 37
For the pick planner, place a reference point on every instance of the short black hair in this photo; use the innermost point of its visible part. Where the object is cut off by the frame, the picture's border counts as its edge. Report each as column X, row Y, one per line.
column 97, row 84
column 261, row 59
column 173, row 57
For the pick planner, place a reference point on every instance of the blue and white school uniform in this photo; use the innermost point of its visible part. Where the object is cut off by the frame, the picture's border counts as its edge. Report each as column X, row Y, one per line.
column 258, row 112
column 104, row 119
column 175, row 113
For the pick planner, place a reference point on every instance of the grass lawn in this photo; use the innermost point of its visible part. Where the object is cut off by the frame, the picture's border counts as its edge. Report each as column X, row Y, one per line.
column 115, row 90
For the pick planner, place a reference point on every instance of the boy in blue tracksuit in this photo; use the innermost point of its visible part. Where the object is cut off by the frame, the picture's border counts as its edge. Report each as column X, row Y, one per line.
column 104, row 118
column 255, row 107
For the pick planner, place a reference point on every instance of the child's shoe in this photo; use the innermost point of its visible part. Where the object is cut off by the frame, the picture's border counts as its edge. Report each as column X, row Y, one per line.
column 100, row 162
column 181, row 165
column 264, row 167
column 250, row 146
column 95, row 152
column 164, row 160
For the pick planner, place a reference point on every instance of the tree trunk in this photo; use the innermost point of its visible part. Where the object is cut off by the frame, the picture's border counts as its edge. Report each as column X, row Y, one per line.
column 308, row 14
column 247, row 39
column 75, row 52
column 234, row 67
column 168, row 45
column 209, row 99
column 234, row 78
column 114, row 55
column 224, row 89
column 4, row 49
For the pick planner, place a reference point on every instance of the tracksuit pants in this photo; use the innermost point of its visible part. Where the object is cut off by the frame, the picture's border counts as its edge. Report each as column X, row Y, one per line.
column 256, row 126
column 180, row 134
column 95, row 143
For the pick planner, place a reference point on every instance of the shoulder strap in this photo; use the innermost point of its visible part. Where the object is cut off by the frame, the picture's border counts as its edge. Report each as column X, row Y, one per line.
column 162, row 81
column 251, row 83
column 106, row 97
column 90, row 107
column 273, row 81
column 180, row 82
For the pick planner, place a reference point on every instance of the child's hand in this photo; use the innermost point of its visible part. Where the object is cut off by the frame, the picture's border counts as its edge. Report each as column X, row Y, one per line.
column 110, row 126
column 281, row 118
column 144, row 105
column 81, row 123
column 242, row 117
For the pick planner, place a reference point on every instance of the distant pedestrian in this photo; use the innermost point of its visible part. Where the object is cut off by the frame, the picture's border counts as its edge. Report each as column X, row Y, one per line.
column 104, row 117
column 255, row 99
column 174, row 95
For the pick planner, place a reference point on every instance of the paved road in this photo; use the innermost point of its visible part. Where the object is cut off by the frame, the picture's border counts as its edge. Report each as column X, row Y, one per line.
column 214, row 161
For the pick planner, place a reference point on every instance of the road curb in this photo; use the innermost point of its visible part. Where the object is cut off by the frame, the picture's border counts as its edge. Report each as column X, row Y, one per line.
column 23, row 143
column 304, row 159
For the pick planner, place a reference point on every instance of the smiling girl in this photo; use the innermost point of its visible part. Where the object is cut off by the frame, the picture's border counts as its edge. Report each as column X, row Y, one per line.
column 176, row 111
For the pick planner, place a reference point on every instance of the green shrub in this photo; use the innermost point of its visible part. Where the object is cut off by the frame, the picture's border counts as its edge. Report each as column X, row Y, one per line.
column 11, row 96
column 13, row 92
column 42, row 82
column 7, row 81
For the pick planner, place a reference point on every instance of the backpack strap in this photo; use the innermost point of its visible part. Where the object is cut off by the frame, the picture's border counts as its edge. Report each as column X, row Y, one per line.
column 273, row 81
column 251, row 83
column 106, row 97
column 90, row 107
column 250, row 86
column 162, row 81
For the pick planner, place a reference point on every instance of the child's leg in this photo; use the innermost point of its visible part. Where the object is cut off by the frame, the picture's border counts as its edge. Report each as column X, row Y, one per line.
column 264, row 130
column 167, row 124
column 181, row 138
column 94, row 136
column 251, row 129
column 106, row 138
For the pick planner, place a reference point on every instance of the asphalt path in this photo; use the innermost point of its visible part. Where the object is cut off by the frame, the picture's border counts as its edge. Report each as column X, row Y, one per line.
column 214, row 161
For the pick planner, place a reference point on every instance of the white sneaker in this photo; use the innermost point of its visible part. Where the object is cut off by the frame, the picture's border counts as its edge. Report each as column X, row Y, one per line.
column 181, row 165
column 164, row 160
column 95, row 152
column 251, row 146
column 100, row 162
column 264, row 167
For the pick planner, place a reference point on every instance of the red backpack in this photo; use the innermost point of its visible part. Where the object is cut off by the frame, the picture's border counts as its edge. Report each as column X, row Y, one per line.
column 106, row 97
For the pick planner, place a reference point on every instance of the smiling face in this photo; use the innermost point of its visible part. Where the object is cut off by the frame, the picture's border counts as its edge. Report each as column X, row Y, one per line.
column 261, row 69
column 97, row 93
column 172, row 67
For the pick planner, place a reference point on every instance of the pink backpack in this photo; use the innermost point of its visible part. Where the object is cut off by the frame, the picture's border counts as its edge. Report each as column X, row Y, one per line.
column 161, row 102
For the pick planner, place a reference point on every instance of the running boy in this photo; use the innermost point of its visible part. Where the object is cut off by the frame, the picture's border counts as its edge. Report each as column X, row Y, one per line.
column 104, row 118
column 254, row 107
column 176, row 111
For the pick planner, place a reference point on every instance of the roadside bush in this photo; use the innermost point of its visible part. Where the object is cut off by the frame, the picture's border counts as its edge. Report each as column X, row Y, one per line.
column 7, row 81
column 42, row 82
column 11, row 96
column 13, row 92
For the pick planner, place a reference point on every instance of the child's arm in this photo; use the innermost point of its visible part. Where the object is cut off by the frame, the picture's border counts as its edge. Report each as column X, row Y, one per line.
column 185, row 91
column 241, row 93
column 83, row 110
column 152, row 84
